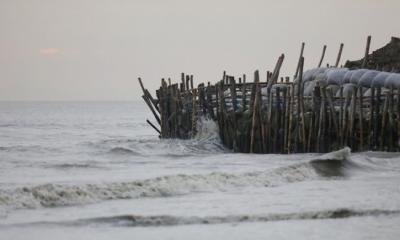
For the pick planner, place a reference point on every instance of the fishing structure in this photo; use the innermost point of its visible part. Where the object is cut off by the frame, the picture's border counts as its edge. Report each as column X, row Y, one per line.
column 318, row 110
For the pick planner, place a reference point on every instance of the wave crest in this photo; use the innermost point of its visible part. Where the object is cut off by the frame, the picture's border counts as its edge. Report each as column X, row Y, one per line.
column 52, row 195
column 123, row 151
column 168, row 220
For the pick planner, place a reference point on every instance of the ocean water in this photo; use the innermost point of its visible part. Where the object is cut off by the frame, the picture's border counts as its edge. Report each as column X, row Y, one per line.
column 96, row 170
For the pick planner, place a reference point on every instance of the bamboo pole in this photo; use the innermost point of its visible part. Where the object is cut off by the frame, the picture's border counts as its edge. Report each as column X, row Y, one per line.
column 391, row 129
column 279, row 124
column 147, row 101
column 275, row 74
column 210, row 108
column 329, row 96
column 233, row 93
column 244, row 95
column 339, row 55
column 365, row 61
column 269, row 128
column 298, row 63
column 377, row 116
column 300, row 102
column 291, row 107
column 398, row 117
column 317, row 100
column 194, row 112
column 191, row 82
column 255, row 108
column 152, row 100
column 312, row 119
column 321, row 125
column 361, row 119
column 152, row 125
column 187, row 83
column 178, row 111
column 371, row 119
column 148, row 95
column 383, row 124
column 341, row 117
column 284, row 120
column 322, row 56
column 352, row 117
column 234, row 119
column 221, row 109
column 183, row 82
column 173, row 105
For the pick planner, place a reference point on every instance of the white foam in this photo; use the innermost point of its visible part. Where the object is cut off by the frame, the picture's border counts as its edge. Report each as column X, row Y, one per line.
column 207, row 129
column 52, row 195
column 341, row 154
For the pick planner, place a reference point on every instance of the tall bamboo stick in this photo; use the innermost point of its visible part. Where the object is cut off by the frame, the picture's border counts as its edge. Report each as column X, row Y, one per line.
column 339, row 55
column 365, row 61
column 322, row 56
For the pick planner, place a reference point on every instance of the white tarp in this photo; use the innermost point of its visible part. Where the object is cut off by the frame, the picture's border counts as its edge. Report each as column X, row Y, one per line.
column 356, row 76
column 392, row 81
column 341, row 76
column 311, row 74
column 366, row 79
column 309, row 88
column 335, row 76
column 348, row 89
column 347, row 76
column 379, row 79
column 333, row 88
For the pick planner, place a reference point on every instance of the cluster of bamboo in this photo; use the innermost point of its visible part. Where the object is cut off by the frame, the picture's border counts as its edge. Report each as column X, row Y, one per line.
column 275, row 116
column 175, row 108
column 278, row 118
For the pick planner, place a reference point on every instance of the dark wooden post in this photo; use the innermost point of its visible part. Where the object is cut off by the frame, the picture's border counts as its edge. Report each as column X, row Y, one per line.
column 191, row 82
column 322, row 56
column 365, row 61
column 339, row 55
column 183, row 82
column 255, row 110
column 275, row 74
column 361, row 119
column 298, row 63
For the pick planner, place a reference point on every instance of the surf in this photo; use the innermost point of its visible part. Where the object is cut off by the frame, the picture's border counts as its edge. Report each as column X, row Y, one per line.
column 56, row 195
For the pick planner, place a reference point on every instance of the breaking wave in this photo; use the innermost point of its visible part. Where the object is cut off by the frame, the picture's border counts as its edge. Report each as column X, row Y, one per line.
column 123, row 151
column 53, row 195
column 206, row 141
column 28, row 148
column 168, row 220
column 334, row 164
column 72, row 165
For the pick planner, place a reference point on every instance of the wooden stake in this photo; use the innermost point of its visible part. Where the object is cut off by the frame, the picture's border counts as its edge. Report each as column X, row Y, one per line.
column 339, row 55
column 146, row 100
column 183, row 87
column 275, row 74
column 300, row 104
column 361, row 119
column 322, row 57
column 152, row 125
column 298, row 63
column 365, row 61
column 255, row 109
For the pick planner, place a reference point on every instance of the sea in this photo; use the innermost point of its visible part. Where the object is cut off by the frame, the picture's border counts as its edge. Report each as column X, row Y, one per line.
column 97, row 170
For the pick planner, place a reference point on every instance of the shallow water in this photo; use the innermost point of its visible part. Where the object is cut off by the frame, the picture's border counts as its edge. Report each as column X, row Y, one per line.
column 96, row 170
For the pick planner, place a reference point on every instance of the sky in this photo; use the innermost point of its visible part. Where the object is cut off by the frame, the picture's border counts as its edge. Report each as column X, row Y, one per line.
column 94, row 50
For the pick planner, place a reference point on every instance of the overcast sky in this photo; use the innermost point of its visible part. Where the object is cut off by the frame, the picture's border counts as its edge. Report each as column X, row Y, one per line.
column 96, row 49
